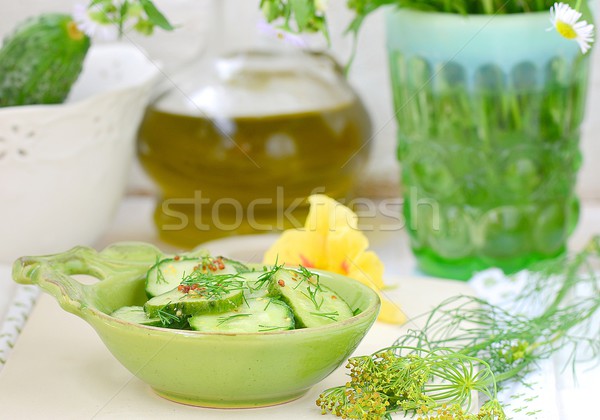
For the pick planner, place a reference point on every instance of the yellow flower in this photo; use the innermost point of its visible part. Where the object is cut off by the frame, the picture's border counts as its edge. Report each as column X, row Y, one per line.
column 331, row 240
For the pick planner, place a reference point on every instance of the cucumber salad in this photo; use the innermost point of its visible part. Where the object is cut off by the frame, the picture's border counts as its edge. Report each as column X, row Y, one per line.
column 217, row 294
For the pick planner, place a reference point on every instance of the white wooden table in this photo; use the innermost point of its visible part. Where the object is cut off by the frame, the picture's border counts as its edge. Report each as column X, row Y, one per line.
column 59, row 368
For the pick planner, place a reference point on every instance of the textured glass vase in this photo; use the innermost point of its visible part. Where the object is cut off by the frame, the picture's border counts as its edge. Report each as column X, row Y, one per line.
column 488, row 110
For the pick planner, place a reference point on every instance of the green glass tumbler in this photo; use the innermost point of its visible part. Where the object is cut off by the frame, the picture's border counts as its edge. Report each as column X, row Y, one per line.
column 489, row 110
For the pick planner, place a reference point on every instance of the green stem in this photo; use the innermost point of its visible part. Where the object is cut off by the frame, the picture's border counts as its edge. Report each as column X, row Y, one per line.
column 488, row 7
column 568, row 284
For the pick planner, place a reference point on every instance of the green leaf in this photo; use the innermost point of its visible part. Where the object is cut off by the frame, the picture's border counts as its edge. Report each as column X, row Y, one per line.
column 270, row 10
column 155, row 16
column 302, row 12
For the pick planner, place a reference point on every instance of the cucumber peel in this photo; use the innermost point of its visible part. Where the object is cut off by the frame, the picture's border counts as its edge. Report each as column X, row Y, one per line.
column 255, row 315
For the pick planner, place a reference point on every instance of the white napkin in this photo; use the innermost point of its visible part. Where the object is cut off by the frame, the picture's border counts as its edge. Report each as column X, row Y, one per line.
column 7, row 289
column 553, row 393
column 16, row 302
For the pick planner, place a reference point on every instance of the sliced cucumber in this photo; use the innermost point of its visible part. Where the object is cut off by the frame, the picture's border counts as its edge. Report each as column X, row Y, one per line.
column 168, row 273
column 136, row 315
column 313, row 304
column 238, row 266
column 194, row 302
column 256, row 315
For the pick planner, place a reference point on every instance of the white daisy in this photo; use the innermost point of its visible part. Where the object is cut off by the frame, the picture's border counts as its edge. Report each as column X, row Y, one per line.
column 83, row 17
column 566, row 22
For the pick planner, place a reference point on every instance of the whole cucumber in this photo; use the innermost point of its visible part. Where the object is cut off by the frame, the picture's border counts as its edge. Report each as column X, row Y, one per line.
column 41, row 60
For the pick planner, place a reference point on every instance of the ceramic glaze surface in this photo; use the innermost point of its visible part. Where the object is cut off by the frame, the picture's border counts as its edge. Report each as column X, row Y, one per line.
column 205, row 369
column 65, row 167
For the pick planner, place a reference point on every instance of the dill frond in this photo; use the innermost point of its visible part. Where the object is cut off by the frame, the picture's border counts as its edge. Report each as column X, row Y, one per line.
column 468, row 345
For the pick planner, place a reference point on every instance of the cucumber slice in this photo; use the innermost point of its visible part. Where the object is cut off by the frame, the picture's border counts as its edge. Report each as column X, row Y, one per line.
column 216, row 296
column 313, row 304
column 136, row 315
column 168, row 273
column 256, row 315
column 238, row 266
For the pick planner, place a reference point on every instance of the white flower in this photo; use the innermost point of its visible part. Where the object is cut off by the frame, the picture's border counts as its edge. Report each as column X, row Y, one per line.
column 566, row 22
column 91, row 27
column 288, row 37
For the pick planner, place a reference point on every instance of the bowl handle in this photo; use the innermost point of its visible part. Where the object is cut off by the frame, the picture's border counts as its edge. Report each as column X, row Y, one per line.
column 53, row 273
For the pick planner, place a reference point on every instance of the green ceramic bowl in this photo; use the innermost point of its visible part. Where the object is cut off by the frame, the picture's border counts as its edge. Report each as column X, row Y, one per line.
column 204, row 369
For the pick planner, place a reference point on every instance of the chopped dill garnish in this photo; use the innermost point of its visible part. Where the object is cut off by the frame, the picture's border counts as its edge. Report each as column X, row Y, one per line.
column 212, row 286
column 307, row 276
column 302, row 280
column 270, row 300
column 313, row 286
column 167, row 318
column 223, row 319
column 244, row 295
column 329, row 315
column 266, row 328
column 266, row 277
column 312, row 296
column 160, row 276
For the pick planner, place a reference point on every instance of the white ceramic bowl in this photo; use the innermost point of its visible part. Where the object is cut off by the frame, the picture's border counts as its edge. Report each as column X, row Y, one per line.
column 64, row 168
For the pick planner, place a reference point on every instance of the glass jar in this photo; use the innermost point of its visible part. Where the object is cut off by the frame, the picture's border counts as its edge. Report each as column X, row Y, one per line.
column 241, row 142
column 489, row 114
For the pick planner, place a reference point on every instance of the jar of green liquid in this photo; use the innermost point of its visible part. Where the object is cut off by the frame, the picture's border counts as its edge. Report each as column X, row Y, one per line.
column 489, row 111
column 238, row 147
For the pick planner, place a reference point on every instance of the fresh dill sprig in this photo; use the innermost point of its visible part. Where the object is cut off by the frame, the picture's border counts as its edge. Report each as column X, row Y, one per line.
column 413, row 381
column 167, row 318
column 223, row 319
column 329, row 315
column 469, row 345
